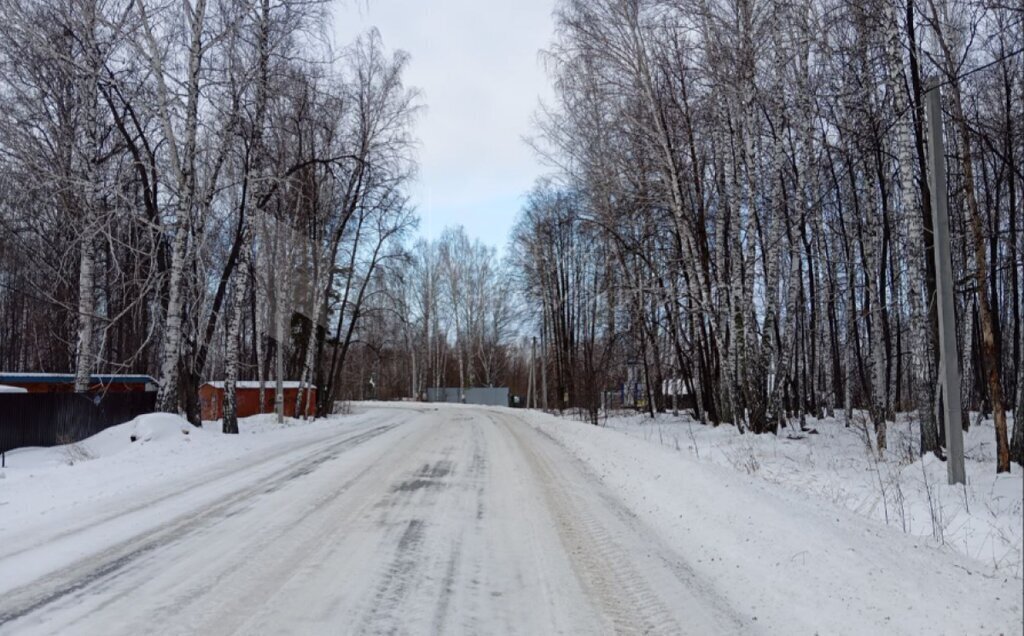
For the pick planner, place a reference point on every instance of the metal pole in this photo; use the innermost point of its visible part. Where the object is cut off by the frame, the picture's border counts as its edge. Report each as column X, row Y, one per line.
column 414, row 393
column 949, row 373
column 543, row 369
column 530, row 391
column 279, row 372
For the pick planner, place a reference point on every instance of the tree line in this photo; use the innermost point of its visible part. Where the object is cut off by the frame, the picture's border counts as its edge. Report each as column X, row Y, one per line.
column 741, row 200
column 447, row 315
column 196, row 190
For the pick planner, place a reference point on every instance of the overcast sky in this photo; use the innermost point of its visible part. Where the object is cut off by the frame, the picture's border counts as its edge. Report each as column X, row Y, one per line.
column 477, row 64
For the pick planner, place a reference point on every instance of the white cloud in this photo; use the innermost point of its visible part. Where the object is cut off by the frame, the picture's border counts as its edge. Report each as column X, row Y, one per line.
column 477, row 64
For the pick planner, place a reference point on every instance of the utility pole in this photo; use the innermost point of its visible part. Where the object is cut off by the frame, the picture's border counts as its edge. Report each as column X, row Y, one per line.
column 530, row 389
column 949, row 373
column 413, row 388
column 276, row 289
column 543, row 369
column 279, row 359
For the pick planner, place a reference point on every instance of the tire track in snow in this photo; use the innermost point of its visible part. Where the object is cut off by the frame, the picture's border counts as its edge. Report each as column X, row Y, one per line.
column 101, row 569
column 634, row 598
column 234, row 468
column 296, row 562
column 709, row 598
column 322, row 507
column 447, row 587
column 616, row 589
column 424, row 574
column 452, row 524
column 412, row 496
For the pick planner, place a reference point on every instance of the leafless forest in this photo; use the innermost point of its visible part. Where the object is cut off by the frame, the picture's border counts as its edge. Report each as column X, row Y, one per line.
column 189, row 187
column 739, row 200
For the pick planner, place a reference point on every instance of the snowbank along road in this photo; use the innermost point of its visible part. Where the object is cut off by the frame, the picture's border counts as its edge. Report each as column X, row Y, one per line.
column 463, row 520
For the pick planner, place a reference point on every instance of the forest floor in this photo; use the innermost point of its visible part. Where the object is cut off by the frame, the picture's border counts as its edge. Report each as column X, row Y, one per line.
column 452, row 519
column 983, row 519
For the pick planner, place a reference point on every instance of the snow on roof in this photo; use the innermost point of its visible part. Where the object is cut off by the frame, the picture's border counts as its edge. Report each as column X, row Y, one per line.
column 253, row 384
column 61, row 378
column 12, row 389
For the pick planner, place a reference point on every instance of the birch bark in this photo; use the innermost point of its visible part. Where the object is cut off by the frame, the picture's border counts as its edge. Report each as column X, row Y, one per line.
column 921, row 384
column 254, row 190
column 183, row 166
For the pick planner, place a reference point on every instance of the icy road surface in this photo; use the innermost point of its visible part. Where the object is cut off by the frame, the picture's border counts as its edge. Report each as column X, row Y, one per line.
column 464, row 520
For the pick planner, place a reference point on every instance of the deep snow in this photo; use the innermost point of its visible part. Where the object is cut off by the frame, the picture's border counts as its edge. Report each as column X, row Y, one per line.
column 837, row 465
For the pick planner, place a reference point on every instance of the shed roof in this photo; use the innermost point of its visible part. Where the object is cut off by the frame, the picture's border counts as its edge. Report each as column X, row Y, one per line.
column 253, row 384
column 68, row 378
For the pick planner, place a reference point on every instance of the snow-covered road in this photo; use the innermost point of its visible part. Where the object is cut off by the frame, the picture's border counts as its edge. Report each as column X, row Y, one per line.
column 426, row 520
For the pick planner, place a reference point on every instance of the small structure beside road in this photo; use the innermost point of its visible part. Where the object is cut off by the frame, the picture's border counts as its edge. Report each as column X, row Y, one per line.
column 247, row 394
column 43, row 409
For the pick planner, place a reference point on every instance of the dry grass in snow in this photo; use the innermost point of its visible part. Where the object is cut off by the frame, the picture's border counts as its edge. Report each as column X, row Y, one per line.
column 983, row 519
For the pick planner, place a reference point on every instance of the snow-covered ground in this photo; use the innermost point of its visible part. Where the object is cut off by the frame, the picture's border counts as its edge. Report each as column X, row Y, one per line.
column 55, row 503
column 983, row 520
column 452, row 519
column 803, row 565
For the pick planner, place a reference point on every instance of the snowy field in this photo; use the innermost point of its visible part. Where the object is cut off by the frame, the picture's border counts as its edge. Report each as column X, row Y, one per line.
column 407, row 518
column 983, row 520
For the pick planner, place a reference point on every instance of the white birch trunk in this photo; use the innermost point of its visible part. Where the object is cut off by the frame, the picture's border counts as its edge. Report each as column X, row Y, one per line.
column 85, row 350
column 776, row 347
column 849, row 364
column 921, row 385
column 167, row 395
column 309, row 359
column 85, row 357
column 183, row 165
column 872, row 242
column 231, row 352
column 254, row 194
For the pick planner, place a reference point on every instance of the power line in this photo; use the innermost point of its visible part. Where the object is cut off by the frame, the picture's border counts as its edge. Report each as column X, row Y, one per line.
column 980, row 68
